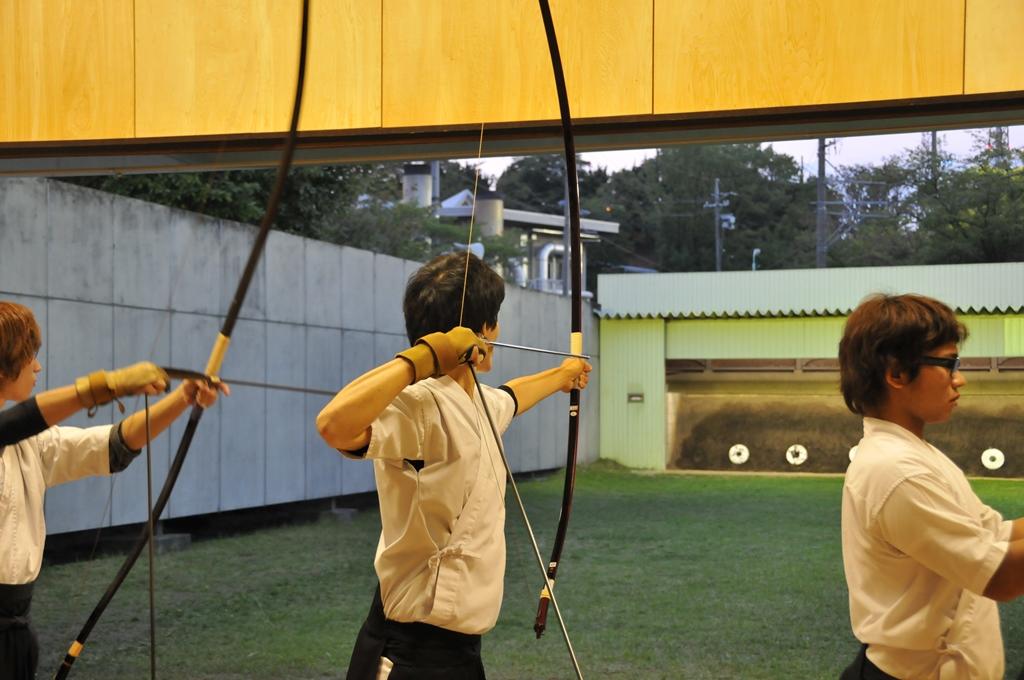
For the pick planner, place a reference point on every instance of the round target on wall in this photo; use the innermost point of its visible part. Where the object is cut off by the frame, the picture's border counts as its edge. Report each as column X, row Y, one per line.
column 796, row 454
column 739, row 454
column 853, row 452
column 992, row 459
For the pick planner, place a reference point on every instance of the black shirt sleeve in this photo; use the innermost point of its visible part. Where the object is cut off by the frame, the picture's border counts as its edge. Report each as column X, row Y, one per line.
column 511, row 393
column 21, row 421
column 358, row 453
column 120, row 454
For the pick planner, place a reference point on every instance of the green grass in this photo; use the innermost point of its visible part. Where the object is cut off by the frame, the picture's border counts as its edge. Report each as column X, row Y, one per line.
column 663, row 576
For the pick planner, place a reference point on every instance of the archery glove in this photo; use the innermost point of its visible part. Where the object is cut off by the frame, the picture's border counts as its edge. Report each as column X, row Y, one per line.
column 438, row 354
column 102, row 387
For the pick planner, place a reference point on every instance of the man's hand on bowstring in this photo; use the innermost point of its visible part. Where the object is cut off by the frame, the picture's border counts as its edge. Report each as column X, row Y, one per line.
column 439, row 354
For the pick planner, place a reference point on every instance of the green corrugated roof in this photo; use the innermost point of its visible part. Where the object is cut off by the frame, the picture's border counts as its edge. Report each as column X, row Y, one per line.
column 968, row 288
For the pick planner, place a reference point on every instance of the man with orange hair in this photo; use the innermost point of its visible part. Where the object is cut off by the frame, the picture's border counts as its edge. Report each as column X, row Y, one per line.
column 36, row 453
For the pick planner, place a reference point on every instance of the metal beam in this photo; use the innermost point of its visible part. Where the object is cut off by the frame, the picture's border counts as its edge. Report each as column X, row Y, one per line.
column 509, row 139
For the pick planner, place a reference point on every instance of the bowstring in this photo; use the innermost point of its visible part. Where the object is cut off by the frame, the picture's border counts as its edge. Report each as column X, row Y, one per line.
column 472, row 218
column 462, row 306
column 152, row 553
column 482, row 413
column 497, row 439
column 526, row 521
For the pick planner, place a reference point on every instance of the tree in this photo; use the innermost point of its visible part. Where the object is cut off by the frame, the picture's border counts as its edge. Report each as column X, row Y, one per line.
column 941, row 209
column 918, row 207
column 977, row 212
column 238, row 195
column 538, row 183
column 313, row 196
column 660, row 207
column 876, row 219
column 357, row 205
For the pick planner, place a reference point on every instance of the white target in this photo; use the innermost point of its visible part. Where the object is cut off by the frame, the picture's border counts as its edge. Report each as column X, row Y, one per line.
column 992, row 459
column 739, row 454
column 796, row 454
column 853, row 453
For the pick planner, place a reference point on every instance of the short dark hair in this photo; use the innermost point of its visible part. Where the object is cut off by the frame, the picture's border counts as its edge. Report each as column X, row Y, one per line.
column 434, row 295
column 20, row 339
column 890, row 331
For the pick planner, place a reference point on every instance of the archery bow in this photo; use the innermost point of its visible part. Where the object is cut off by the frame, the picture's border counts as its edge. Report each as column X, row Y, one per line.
column 548, row 585
column 216, row 356
column 576, row 329
column 548, row 588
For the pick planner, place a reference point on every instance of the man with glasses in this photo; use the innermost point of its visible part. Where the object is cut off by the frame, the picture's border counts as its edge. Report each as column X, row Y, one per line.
column 925, row 558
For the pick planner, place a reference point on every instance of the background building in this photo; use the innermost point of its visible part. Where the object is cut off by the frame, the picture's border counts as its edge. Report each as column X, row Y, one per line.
column 541, row 235
column 695, row 364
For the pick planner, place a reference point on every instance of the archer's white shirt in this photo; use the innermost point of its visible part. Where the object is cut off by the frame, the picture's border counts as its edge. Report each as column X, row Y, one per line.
column 919, row 547
column 27, row 469
column 441, row 555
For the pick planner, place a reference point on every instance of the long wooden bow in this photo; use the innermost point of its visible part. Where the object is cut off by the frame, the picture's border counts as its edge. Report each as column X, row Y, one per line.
column 576, row 329
column 547, row 597
column 216, row 356
column 575, row 349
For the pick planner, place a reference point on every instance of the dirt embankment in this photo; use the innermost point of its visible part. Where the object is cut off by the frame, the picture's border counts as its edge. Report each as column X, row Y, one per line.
column 706, row 427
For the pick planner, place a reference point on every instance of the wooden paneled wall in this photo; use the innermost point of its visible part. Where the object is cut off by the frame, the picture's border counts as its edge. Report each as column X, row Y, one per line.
column 992, row 50
column 229, row 66
column 66, row 70
column 110, row 69
column 465, row 61
column 737, row 54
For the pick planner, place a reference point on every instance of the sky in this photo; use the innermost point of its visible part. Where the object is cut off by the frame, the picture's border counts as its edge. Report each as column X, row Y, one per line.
column 863, row 150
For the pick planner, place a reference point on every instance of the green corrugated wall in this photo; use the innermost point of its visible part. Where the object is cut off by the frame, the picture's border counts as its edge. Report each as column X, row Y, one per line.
column 985, row 335
column 633, row 354
column 781, row 338
column 813, row 337
column 633, row 362
column 1013, row 336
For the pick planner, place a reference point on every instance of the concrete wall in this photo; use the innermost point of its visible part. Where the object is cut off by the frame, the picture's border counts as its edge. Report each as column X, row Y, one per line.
column 114, row 280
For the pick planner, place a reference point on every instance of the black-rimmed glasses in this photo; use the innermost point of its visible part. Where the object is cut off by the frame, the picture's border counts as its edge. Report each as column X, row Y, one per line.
column 952, row 363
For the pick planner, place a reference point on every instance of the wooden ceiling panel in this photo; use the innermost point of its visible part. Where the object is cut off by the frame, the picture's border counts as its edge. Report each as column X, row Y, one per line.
column 66, row 70
column 714, row 55
column 228, row 67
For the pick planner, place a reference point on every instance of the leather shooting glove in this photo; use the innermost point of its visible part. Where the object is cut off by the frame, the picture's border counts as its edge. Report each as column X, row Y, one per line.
column 438, row 354
column 102, row 387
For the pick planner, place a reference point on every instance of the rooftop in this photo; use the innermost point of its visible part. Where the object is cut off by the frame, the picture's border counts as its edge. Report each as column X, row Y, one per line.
column 969, row 288
column 461, row 205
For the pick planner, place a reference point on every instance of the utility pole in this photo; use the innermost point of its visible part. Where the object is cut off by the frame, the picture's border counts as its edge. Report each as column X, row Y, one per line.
column 435, row 186
column 716, row 203
column 821, row 216
column 935, row 160
column 718, row 229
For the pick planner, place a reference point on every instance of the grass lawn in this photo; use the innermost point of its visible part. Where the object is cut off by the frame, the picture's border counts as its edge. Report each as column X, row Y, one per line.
column 663, row 576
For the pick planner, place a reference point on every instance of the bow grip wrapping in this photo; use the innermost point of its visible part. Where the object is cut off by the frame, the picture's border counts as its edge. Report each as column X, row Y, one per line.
column 220, row 349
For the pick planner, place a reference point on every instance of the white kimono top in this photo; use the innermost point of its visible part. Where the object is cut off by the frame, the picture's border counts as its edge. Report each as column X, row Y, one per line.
column 441, row 555
column 919, row 548
column 27, row 469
